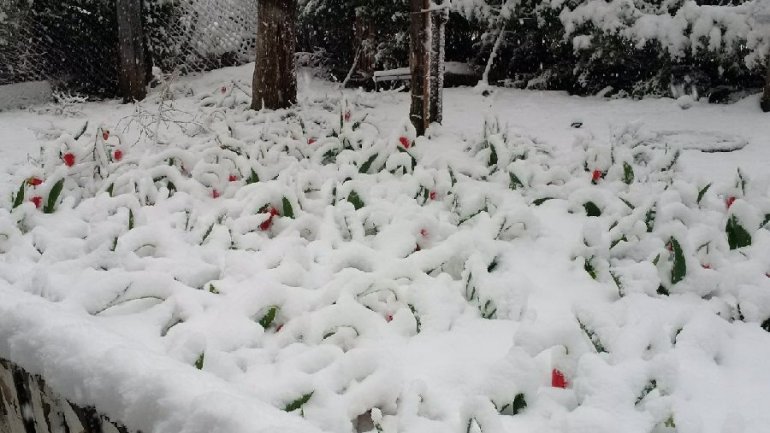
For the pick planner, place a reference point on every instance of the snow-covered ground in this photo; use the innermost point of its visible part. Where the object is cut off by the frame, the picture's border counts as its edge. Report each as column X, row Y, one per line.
column 323, row 259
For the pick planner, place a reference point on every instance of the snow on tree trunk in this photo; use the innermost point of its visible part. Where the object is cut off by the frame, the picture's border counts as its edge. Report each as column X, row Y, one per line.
column 133, row 63
column 765, row 102
column 499, row 41
column 438, row 43
column 419, row 63
column 275, row 79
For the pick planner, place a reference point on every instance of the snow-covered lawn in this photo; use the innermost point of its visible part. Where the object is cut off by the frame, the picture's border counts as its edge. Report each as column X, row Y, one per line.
column 511, row 272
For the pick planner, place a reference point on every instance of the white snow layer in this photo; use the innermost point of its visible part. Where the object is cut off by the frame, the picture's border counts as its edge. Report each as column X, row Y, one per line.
column 466, row 268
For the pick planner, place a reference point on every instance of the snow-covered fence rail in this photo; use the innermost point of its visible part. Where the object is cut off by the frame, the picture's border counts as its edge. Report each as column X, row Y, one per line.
column 86, row 365
column 27, row 405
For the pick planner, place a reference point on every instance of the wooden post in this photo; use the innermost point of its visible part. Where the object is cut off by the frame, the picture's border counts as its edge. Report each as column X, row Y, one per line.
column 439, row 19
column 275, row 79
column 132, row 75
column 419, row 64
column 765, row 101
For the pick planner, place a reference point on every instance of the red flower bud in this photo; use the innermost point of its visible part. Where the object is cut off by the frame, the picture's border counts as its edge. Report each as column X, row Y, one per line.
column 106, row 134
column 596, row 176
column 233, row 178
column 347, row 116
column 311, row 141
column 706, row 266
column 433, row 195
column 557, row 379
column 388, row 318
column 37, row 200
column 424, row 233
column 118, row 155
column 34, row 181
column 215, row 193
column 729, row 202
column 404, row 142
column 69, row 159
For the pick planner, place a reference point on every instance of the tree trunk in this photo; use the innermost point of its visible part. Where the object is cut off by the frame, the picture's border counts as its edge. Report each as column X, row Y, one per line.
column 437, row 66
column 765, row 101
column 419, row 63
column 133, row 62
column 275, row 78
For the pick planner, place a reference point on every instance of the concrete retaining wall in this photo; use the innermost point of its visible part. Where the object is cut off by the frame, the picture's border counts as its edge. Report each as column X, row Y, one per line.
column 27, row 405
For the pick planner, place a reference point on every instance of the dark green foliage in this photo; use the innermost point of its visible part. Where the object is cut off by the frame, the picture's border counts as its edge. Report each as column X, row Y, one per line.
column 737, row 236
column 519, row 403
column 288, row 210
column 269, row 317
column 253, row 177
column 589, row 268
column 595, row 341
column 368, row 164
column 679, row 270
column 628, row 173
column 703, row 192
column 651, row 385
column 199, row 361
column 649, row 219
column 355, row 200
column 416, row 318
column 298, row 403
column 766, row 325
column 18, row 199
column 592, row 209
column 53, row 197
column 515, row 181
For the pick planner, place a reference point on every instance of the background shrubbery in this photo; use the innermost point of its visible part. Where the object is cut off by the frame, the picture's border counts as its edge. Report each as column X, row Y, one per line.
column 621, row 47
column 629, row 48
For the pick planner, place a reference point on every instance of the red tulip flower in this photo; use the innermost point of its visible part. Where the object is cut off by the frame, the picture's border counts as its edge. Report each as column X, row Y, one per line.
column 37, row 200
column 106, row 134
column 389, row 318
column 69, row 159
column 433, row 195
column 347, row 116
column 557, row 379
column 311, row 141
column 215, row 193
column 265, row 226
column 34, row 181
column 118, row 155
column 233, row 178
column 596, row 176
column 729, row 202
column 404, row 142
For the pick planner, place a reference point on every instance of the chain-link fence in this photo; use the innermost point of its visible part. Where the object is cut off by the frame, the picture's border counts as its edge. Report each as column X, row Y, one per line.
column 74, row 43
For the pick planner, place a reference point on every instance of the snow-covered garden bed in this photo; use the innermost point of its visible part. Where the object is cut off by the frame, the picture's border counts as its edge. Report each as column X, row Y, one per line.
column 197, row 266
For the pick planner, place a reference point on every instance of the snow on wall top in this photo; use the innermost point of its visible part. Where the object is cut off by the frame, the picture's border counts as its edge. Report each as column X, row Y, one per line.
column 146, row 391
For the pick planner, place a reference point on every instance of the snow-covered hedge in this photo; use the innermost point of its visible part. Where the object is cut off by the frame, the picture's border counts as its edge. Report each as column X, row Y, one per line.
column 585, row 46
